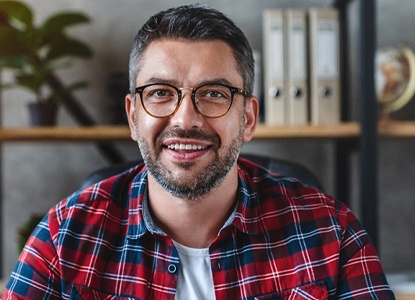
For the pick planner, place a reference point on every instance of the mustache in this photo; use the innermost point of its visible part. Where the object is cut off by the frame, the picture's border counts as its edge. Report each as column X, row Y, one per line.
column 193, row 133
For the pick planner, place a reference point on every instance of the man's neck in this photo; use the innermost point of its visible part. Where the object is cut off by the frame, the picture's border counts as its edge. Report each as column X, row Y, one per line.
column 193, row 223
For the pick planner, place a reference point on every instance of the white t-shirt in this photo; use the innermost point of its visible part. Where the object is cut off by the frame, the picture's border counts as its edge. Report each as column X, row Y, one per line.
column 195, row 274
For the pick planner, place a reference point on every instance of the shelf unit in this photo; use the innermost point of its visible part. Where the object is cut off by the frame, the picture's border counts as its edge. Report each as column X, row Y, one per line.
column 348, row 136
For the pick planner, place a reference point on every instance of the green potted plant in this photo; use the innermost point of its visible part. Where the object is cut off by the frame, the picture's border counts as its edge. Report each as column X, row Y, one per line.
column 34, row 53
column 24, row 231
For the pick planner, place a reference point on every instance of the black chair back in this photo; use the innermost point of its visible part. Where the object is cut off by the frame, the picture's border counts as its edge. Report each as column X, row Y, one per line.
column 279, row 166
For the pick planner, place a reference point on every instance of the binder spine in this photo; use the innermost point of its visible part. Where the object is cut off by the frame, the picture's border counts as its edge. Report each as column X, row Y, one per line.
column 296, row 74
column 324, row 66
column 273, row 48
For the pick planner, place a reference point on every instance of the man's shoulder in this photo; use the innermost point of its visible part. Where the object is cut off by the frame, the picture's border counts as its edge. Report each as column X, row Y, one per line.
column 105, row 202
column 279, row 188
column 114, row 190
column 271, row 199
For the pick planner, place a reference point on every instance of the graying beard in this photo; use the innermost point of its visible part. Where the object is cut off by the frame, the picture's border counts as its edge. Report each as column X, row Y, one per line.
column 202, row 186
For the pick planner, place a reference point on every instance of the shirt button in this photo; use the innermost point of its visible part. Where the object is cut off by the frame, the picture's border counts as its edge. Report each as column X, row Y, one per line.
column 172, row 269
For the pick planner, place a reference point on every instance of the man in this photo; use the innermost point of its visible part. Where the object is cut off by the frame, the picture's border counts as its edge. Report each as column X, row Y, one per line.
column 194, row 222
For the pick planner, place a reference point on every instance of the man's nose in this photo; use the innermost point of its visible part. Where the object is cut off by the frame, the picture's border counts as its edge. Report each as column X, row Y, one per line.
column 187, row 116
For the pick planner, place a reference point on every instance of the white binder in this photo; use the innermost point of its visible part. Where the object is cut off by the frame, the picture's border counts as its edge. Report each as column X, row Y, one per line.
column 273, row 57
column 257, row 91
column 324, row 62
column 296, row 96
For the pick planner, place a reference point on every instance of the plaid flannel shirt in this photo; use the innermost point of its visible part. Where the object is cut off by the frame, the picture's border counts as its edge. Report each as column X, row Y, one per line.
column 283, row 241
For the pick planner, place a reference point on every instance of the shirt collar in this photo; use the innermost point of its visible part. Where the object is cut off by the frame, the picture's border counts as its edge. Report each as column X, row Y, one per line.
column 244, row 216
column 247, row 212
column 138, row 189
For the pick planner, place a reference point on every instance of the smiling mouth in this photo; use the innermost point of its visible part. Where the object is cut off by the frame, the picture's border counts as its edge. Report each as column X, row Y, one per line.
column 191, row 147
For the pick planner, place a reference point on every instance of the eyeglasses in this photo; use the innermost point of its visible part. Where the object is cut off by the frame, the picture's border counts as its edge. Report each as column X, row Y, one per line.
column 211, row 100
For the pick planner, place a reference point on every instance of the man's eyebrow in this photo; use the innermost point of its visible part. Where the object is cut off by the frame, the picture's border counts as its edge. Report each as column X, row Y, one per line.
column 216, row 81
column 175, row 83
column 161, row 80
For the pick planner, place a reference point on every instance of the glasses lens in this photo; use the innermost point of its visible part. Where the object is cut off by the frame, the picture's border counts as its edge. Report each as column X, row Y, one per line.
column 213, row 100
column 160, row 100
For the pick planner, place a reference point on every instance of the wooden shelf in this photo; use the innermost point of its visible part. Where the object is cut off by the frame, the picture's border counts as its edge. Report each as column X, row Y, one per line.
column 122, row 133
column 65, row 134
column 386, row 129
column 404, row 296
column 396, row 129
column 337, row 131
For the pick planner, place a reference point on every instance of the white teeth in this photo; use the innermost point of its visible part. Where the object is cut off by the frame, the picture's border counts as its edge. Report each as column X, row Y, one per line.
column 185, row 147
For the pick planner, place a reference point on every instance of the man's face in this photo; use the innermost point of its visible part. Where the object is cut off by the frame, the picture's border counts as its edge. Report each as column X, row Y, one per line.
column 187, row 153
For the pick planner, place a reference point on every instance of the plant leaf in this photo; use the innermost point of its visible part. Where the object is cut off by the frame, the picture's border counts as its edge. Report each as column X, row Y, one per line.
column 12, row 62
column 16, row 10
column 58, row 22
column 11, row 43
column 57, row 94
column 29, row 81
column 54, row 28
column 64, row 46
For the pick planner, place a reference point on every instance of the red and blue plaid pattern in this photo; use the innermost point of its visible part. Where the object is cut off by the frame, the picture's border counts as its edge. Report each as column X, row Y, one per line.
column 284, row 241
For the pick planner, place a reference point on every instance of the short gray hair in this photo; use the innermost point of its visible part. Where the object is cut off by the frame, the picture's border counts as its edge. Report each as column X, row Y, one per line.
column 198, row 23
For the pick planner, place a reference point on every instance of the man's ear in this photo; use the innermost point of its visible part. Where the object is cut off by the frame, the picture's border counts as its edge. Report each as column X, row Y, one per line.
column 251, row 117
column 130, row 109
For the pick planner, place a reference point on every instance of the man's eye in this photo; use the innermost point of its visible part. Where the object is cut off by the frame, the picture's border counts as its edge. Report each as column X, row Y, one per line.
column 161, row 93
column 214, row 94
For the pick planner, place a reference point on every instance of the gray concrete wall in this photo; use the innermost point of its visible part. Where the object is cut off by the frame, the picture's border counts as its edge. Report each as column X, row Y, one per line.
column 37, row 175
